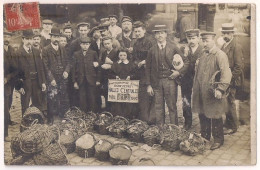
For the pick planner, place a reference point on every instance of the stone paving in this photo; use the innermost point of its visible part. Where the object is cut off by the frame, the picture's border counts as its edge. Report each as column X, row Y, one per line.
column 235, row 151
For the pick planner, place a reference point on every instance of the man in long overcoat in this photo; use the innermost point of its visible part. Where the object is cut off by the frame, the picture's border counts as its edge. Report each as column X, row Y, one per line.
column 208, row 97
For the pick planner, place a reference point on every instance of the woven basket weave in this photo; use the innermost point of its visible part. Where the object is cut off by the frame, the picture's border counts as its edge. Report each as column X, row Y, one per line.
column 118, row 127
column 102, row 148
column 84, row 149
column 103, row 121
column 120, row 154
column 136, row 129
column 67, row 139
column 152, row 135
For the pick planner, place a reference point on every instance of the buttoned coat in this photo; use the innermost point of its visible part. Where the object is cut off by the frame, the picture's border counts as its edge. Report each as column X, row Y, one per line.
column 203, row 99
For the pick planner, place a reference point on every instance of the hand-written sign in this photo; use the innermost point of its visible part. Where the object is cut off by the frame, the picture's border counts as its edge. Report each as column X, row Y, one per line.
column 123, row 91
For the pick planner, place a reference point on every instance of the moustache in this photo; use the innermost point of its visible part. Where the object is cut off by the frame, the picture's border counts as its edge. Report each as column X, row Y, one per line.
column 226, row 39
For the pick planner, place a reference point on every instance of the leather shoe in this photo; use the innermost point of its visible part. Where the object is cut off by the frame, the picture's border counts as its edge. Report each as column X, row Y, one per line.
column 215, row 146
column 228, row 131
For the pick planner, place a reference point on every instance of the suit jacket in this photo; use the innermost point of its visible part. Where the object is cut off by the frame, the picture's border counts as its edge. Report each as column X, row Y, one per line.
column 49, row 57
column 84, row 68
column 235, row 55
column 124, row 42
column 152, row 66
column 24, row 68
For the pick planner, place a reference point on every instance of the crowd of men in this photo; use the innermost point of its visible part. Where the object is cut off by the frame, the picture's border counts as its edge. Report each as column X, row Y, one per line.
column 56, row 71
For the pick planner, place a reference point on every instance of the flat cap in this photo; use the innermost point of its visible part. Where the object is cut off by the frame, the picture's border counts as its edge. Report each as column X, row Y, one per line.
column 47, row 21
column 85, row 40
column 83, row 23
column 113, row 16
column 103, row 26
column 103, row 20
column 126, row 18
column 207, row 34
column 158, row 28
column 192, row 32
column 107, row 37
column 91, row 32
column 138, row 24
column 37, row 35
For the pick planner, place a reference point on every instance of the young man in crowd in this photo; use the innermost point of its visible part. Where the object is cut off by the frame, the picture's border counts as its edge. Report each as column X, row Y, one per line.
column 47, row 25
column 113, row 28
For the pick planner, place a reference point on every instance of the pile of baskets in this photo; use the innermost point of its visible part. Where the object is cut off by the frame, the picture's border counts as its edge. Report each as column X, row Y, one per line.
column 136, row 129
column 118, row 127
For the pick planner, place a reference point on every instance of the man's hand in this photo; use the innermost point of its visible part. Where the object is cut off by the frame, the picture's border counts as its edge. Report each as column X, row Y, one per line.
column 106, row 66
column 95, row 64
column 150, row 90
column 117, row 78
column 141, row 63
column 174, row 74
column 97, row 83
column 43, row 87
column 65, row 75
column 21, row 91
column 53, row 83
column 128, row 78
column 5, row 80
column 76, row 86
column 218, row 94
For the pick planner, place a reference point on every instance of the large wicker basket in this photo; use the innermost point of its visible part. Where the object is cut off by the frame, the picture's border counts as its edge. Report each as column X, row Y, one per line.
column 136, row 129
column 118, row 127
column 31, row 116
column 74, row 113
column 54, row 154
column 102, row 148
column 85, row 145
column 103, row 121
column 86, row 124
column 15, row 145
column 120, row 154
column 152, row 135
column 67, row 139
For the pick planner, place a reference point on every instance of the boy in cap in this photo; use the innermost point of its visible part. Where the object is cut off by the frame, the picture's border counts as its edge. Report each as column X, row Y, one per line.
column 67, row 30
column 161, row 75
column 192, row 51
column 234, row 53
column 113, row 28
column 85, row 75
column 47, row 25
column 32, row 72
column 57, row 66
column 209, row 99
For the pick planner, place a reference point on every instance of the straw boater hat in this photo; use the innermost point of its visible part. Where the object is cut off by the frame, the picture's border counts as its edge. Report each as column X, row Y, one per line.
column 55, row 31
column 227, row 27
column 192, row 32
column 158, row 28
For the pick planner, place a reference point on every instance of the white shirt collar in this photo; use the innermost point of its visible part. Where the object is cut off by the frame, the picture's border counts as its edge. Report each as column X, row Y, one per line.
column 193, row 49
column 56, row 47
column 125, row 62
column 26, row 48
column 162, row 44
column 6, row 47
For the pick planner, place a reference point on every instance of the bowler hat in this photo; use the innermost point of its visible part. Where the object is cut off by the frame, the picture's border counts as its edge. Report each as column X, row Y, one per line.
column 83, row 23
column 67, row 26
column 113, row 16
column 205, row 35
column 27, row 34
column 55, row 31
column 158, row 28
column 227, row 27
column 126, row 18
column 138, row 24
column 85, row 40
column 192, row 32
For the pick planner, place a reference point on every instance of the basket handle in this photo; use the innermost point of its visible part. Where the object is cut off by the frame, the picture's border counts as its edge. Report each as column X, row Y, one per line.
column 92, row 114
column 35, row 121
column 136, row 120
column 107, row 113
column 116, row 144
column 122, row 118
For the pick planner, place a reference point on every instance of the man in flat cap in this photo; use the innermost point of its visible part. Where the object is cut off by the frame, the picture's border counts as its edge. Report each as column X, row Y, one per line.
column 161, row 74
column 47, row 25
column 140, row 51
column 36, row 41
column 127, row 37
column 192, row 51
column 235, row 55
column 32, row 73
column 85, row 75
column 67, row 30
column 57, row 66
column 113, row 28
column 10, row 76
column 211, row 80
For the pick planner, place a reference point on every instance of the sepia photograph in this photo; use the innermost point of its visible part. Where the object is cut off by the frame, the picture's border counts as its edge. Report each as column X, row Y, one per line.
column 137, row 84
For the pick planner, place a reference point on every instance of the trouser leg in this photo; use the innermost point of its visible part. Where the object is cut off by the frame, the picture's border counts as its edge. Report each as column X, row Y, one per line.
column 205, row 126
column 25, row 99
column 186, row 107
column 91, row 96
column 63, row 97
column 6, row 115
column 217, row 130
column 37, row 96
column 159, row 104
column 231, row 115
column 144, row 103
column 83, row 96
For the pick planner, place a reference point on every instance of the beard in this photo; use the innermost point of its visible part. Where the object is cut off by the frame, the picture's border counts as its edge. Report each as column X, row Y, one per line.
column 226, row 39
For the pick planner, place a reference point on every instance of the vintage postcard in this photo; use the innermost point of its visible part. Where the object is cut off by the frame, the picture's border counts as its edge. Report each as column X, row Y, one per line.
column 138, row 84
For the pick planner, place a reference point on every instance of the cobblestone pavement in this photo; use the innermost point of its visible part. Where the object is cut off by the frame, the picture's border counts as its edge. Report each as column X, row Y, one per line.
column 235, row 151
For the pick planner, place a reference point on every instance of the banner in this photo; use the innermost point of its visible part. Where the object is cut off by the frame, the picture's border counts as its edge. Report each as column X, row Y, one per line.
column 123, row 90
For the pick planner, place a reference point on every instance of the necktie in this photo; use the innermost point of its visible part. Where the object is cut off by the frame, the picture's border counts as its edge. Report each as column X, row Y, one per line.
column 162, row 46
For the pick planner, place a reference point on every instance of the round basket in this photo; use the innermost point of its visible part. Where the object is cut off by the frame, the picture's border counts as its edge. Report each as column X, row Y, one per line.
column 171, row 137
column 74, row 113
column 143, row 162
column 136, row 129
column 118, row 127
column 151, row 135
column 104, row 120
column 194, row 145
column 54, row 154
column 86, row 124
column 15, row 145
column 31, row 116
column 67, row 139
column 120, row 154
column 35, row 139
column 85, row 145
column 102, row 148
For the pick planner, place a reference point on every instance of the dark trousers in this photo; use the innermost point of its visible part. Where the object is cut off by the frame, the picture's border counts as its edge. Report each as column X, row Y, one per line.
column 166, row 91
column 34, row 92
column 186, row 91
column 231, row 115
column 73, row 93
column 104, row 92
column 87, row 97
column 215, row 126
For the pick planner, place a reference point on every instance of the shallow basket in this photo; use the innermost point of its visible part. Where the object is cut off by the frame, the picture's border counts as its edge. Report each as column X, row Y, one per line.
column 152, row 135
column 118, row 127
column 136, row 129
column 103, row 121
column 86, row 152
column 123, row 153
column 102, row 149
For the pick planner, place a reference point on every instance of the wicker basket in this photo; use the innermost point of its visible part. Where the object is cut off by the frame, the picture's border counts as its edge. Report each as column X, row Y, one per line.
column 74, row 113
column 171, row 137
column 54, row 154
column 15, row 145
column 143, row 162
column 104, row 120
column 67, row 139
column 102, row 148
column 118, row 127
column 194, row 145
column 86, row 124
column 120, row 154
column 136, row 129
column 152, row 135
column 84, row 149
column 35, row 139
column 31, row 116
